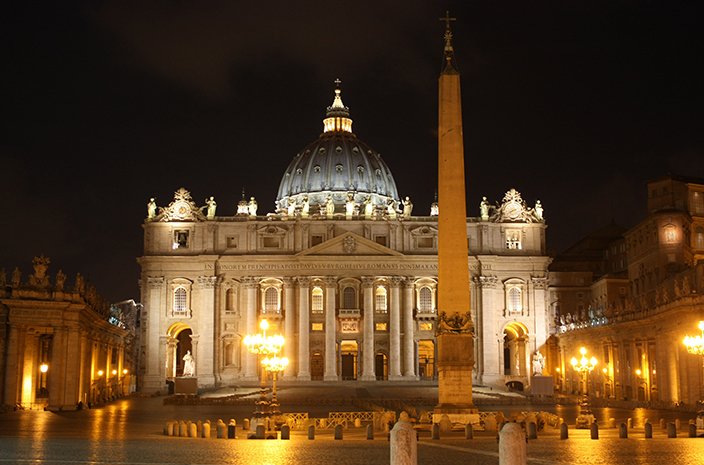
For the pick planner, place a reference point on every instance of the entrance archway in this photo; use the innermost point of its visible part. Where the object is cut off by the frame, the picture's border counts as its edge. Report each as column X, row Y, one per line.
column 515, row 350
column 178, row 344
column 426, row 359
column 317, row 366
column 381, row 367
column 348, row 355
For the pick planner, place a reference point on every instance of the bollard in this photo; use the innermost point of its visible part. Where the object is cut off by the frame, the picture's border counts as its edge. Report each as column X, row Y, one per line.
column 623, row 431
column 205, row 431
column 692, row 430
column 563, row 431
column 370, row 431
column 436, row 431
column 192, row 430
column 357, row 423
column 245, row 424
column 512, row 445
column 169, row 428
column 662, row 423
column 648, row 431
column 166, row 428
column 630, row 423
column 671, row 430
column 311, row 432
column 285, row 432
column 677, row 424
column 404, row 444
column 221, row 429
column 259, row 433
column 338, row 432
column 231, row 429
column 532, row 430
column 594, row 430
column 199, row 427
column 468, row 431
column 182, row 429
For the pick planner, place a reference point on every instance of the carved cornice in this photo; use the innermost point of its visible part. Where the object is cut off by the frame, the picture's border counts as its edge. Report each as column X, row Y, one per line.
column 249, row 282
column 330, row 281
column 486, row 282
column 207, row 282
column 155, row 282
column 408, row 282
column 540, row 283
column 395, row 281
column 368, row 281
column 303, row 281
column 289, row 281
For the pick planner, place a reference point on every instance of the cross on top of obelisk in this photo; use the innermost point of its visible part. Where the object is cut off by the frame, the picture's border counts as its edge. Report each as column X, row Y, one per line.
column 447, row 19
column 338, row 82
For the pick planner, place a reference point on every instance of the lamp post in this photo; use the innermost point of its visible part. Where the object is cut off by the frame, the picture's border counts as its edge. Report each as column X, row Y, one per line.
column 584, row 366
column 275, row 365
column 261, row 344
column 695, row 346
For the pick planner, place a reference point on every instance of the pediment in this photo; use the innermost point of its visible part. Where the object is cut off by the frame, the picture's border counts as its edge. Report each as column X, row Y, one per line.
column 350, row 244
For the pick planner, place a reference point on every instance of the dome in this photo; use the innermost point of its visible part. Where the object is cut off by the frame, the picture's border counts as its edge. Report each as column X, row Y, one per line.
column 335, row 165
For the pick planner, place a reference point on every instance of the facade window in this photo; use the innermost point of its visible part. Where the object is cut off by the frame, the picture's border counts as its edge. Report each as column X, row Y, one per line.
column 514, row 299
column 230, row 300
column 349, row 298
column 381, row 240
column 425, row 299
column 271, row 300
column 699, row 238
column 180, row 300
column 381, row 326
column 316, row 304
column 381, row 300
column 697, row 203
column 316, row 239
column 180, row 239
column 426, row 326
column 513, row 239
column 232, row 242
column 317, row 327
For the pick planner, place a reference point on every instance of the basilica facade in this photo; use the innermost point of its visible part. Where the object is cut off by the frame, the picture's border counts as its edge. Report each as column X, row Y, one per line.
column 344, row 269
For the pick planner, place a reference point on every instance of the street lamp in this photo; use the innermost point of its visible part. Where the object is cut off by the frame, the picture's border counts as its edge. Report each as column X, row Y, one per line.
column 261, row 344
column 584, row 366
column 275, row 365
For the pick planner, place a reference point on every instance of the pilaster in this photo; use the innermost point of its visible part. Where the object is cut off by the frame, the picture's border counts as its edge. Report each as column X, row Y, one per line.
column 395, row 329
column 330, row 329
column 409, row 349
column 303, row 329
column 368, row 344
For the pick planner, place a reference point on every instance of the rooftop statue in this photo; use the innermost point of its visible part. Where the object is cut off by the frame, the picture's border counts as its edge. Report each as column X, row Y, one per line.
column 211, row 207
column 407, row 208
column 252, row 207
column 484, row 209
column 151, row 209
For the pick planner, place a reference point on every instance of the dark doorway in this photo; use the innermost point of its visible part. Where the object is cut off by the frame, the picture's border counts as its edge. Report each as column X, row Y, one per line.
column 317, row 366
column 380, row 367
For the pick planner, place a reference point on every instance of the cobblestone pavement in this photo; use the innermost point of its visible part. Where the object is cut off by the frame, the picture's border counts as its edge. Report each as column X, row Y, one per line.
column 130, row 431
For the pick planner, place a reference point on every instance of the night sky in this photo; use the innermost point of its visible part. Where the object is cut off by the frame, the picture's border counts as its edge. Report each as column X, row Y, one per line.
column 575, row 103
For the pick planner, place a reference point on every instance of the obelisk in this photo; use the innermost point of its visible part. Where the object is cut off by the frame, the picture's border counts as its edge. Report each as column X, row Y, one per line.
column 454, row 328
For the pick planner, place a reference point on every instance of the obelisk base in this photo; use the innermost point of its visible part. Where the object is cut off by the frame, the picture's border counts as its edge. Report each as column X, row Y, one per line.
column 455, row 363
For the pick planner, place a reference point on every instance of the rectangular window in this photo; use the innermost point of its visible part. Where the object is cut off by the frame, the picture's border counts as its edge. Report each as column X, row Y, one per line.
column 273, row 242
column 381, row 326
column 380, row 240
column 426, row 326
column 425, row 242
column 180, row 239
column 513, row 239
column 232, row 242
column 315, row 240
column 317, row 327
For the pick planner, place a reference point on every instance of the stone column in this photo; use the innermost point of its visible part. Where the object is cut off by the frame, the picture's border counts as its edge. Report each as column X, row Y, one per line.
column 395, row 329
column 250, row 291
column 57, row 377
column 13, row 365
column 330, row 329
column 491, row 353
column 194, row 346
column 368, row 348
column 73, row 368
column 290, row 348
column 539, row 310
column 156, row 308
column 171, row 344
column 205, row 358
column 409, row 357
column 303, row 329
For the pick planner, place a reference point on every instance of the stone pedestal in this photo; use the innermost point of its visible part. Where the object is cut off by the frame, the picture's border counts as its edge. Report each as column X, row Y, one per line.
column 455, row 364
column 186, row 386
column 541, row 385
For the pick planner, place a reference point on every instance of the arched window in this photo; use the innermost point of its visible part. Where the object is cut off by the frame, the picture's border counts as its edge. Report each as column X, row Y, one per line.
column 316, row 304
column 349, row 298
column 381, row 299
column 271, row 300
column 514, row 299
column 426, row 299
column 180, row 299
